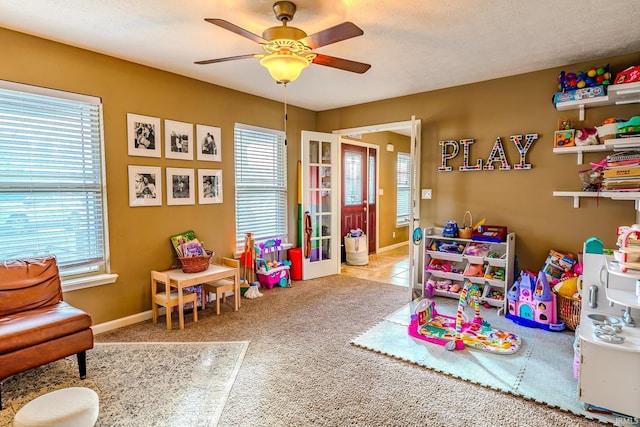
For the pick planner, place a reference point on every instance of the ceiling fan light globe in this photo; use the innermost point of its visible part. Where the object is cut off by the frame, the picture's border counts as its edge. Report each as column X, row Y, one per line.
column 284, row 67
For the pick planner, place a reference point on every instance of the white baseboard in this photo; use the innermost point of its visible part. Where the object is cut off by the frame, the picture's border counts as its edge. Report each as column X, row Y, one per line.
column 129, row 320
column 123, row 321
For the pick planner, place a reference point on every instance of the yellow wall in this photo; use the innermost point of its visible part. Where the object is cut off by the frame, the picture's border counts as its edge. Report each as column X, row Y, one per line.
column 522, row 200
column 139, row 236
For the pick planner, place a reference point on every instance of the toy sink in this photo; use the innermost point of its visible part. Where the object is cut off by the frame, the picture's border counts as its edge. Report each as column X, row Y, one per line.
column 602, row 319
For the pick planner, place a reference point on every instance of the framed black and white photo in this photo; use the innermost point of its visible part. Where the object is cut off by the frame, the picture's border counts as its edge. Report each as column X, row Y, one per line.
column 145, row 186
column 178, row 140
column 210, row 186
column 143, row 135
column 181, row 186
column 209, row 143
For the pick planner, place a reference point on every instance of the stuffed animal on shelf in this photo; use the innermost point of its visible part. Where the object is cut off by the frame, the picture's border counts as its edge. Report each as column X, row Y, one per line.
column 586, row 136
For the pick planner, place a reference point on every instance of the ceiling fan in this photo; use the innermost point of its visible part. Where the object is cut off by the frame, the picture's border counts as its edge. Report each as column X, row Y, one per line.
column 289, row 50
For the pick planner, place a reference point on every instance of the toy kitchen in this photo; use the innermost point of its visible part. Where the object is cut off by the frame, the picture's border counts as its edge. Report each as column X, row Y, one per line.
column 609, row 345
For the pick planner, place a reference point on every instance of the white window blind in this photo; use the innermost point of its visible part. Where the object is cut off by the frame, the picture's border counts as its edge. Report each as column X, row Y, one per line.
column 51, row 195
column 261, row 183
column 403, row 175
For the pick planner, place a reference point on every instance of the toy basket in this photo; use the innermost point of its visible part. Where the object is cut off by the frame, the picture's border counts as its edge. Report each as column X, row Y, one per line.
column 195, row 264
column 568, row 310
column 465, row 231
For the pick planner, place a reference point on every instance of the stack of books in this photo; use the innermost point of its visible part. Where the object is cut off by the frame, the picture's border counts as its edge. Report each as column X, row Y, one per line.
column 622, row 172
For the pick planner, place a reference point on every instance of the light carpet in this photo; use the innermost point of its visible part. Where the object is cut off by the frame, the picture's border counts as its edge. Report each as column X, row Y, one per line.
column 543, row 373
column 140, row 384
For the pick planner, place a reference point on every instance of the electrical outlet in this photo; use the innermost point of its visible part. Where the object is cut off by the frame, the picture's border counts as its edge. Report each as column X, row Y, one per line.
column 394, row 235
column 426, row 193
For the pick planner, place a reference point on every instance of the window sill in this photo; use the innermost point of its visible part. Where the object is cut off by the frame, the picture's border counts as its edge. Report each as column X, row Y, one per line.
column 403, row 224
column 69, row 285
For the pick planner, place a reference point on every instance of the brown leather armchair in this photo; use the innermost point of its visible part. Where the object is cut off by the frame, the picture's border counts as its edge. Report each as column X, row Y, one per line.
column 36, row 325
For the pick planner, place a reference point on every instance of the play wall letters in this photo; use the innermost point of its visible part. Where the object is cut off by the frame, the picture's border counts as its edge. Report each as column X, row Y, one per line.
column 450, row 149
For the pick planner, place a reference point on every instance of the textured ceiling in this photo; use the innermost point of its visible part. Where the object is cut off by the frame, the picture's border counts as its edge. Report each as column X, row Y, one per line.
column 413, row 45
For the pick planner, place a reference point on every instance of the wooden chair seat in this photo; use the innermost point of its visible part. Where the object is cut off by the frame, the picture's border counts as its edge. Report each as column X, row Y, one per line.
column 169, row 298
column 222, row 286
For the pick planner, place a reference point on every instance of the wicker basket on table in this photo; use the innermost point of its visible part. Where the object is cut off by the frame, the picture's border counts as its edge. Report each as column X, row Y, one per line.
column 195, row 264
column 569, row 310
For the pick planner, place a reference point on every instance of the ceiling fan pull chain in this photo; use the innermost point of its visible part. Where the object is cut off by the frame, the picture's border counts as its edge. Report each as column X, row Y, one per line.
column 285, row 114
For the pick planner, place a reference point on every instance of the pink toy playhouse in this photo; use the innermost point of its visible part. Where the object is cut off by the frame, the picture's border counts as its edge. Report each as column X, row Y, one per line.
column 532, row 304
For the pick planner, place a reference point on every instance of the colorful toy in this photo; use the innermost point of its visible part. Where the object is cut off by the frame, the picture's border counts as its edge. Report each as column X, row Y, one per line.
column 564, row 138
column 595, row 76
column 532, row 304
column 586, row 136
column 451, row 248
column 456, row 333
column 268, row 275
column 629, row 128
column 450, row 229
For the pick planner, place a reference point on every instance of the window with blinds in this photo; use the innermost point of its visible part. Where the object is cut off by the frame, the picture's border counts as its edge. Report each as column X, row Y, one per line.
column 51, row 172
column 403, row 175
column 261, row 184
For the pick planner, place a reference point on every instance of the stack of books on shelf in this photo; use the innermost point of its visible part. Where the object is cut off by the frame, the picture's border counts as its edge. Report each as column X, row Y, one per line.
column 622, row 172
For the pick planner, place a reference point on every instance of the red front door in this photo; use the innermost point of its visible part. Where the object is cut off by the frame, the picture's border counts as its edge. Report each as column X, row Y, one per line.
column 358, row 192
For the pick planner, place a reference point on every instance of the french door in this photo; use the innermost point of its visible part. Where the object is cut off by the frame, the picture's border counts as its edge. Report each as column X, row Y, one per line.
column 320, row 177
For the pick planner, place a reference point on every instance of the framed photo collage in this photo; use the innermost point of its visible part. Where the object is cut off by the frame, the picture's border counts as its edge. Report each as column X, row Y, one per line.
column 145, row 182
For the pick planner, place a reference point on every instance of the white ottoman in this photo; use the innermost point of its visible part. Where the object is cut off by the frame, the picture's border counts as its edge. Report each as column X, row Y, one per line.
column 67, row 407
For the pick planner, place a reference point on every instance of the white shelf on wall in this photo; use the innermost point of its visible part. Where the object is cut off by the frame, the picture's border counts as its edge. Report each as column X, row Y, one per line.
column 582, row 104
column 616, row 144
column 626, row 93
column 579, row 150
column 614, row 195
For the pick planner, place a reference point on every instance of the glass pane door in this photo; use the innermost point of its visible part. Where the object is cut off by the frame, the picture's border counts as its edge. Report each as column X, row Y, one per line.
column 319, row 196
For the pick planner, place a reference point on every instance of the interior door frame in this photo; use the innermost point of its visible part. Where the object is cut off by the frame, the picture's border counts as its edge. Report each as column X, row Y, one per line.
column 414, row 126
column 368, row 146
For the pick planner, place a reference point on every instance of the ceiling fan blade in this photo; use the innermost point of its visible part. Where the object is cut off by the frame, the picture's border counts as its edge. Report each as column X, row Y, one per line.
column 342, row 64
column 340, row 32
column 228, row 58
column 235, row 29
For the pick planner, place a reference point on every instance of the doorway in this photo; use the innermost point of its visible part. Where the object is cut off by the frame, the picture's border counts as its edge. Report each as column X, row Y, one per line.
column 358, row 200
column 412, row 130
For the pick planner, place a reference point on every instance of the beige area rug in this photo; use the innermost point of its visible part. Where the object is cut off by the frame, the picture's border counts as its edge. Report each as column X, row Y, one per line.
column 140, row 384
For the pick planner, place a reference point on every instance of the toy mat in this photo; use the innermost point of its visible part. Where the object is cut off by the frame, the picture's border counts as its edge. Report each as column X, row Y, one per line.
column 480, row 336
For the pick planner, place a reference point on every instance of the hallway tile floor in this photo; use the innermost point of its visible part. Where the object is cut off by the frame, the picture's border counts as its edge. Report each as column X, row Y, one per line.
column 388, row 267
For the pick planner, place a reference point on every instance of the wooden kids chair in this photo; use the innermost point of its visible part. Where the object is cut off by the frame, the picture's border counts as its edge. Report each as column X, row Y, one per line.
column 222, row 286
column 168, row 298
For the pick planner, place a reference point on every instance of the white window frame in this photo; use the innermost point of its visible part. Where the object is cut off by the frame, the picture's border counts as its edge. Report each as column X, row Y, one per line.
column 402, row 218
column 99, row 274
column 252, row 184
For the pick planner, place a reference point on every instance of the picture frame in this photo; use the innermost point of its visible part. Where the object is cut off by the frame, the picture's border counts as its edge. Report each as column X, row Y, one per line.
column 181, row 186
column 145, row 186
column 209, row 143
column 143, row 135
column 178, row 140
column 209, row 186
